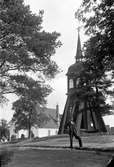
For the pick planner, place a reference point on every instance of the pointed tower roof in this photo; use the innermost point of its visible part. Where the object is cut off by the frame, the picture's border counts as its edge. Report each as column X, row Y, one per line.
column 78, row 52
column 77, row 67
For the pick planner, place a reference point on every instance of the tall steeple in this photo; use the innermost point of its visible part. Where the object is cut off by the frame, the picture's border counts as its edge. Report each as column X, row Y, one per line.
column 78, row 52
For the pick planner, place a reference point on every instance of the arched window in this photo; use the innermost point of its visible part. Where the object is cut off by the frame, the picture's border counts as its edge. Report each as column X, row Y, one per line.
column 71, row 84
column 77, row 81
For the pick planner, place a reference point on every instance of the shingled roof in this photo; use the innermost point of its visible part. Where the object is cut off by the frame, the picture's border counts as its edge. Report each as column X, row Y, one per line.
column 52, row 115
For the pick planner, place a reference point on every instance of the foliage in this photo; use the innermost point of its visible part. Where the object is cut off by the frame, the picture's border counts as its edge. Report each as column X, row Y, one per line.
column 97, row 17
column 27, row 115
column 26, row 52
column 29, row 89
column 31, row 93
column 22, row 136
column 4, row 131
column 13, row 137
column 24, row 46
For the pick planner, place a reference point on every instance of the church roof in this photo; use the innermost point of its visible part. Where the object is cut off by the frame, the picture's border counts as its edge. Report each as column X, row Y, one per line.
column 75, row 69
column 51, row 113
column 52, row 123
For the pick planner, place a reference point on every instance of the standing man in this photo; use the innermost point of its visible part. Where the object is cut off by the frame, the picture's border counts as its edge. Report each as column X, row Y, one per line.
column 73, row 133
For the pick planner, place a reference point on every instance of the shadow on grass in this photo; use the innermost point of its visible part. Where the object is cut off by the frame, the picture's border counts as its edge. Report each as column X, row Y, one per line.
column 111, row 162
column 5, row 157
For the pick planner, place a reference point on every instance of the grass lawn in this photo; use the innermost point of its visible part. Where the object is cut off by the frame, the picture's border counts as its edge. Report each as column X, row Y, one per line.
column 54, row 158
column 21, row 155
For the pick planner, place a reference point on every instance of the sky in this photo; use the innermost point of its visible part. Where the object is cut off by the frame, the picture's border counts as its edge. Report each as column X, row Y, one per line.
column 59, row 16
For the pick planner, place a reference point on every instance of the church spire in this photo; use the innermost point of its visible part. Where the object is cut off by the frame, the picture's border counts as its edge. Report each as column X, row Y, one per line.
column 78, row 52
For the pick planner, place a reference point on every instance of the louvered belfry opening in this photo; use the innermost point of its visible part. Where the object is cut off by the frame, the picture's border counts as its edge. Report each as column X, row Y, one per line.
column 86, row 118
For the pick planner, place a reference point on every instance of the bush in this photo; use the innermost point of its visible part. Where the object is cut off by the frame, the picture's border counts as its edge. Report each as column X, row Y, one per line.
column 32, row 134
column 13, row 137
column 22, row 136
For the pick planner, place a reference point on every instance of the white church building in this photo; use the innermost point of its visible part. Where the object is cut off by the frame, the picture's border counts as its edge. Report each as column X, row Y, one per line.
column 50, row 128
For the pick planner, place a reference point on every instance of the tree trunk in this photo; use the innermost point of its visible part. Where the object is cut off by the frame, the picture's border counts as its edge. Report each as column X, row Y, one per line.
column 29, row 131
column 29, row 126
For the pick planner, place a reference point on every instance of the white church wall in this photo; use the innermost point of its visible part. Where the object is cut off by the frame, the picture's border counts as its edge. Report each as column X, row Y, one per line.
column 12, row 132
column 24, row 132
column 43, row 132
column 39, row 132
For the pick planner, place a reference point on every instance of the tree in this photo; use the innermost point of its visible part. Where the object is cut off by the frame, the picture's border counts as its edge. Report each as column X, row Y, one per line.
column 97, row 17
column 27, row 116
column 32, row 94
column 26, row 52
column 92, row 90
column 4, row 131
column 25, row 49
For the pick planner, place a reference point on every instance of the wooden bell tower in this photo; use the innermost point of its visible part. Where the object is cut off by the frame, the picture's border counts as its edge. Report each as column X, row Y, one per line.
column 79, row 111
